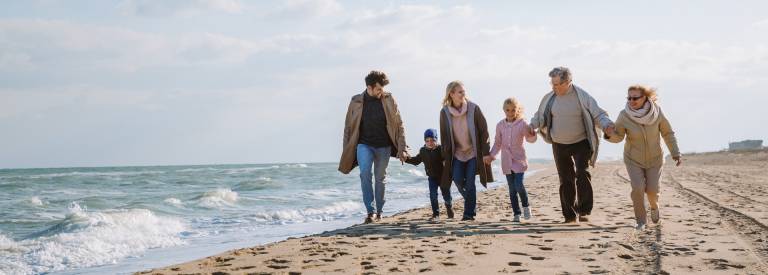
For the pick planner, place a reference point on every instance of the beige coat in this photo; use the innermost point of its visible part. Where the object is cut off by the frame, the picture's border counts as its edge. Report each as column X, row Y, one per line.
column 643, row 142
column 352, row 130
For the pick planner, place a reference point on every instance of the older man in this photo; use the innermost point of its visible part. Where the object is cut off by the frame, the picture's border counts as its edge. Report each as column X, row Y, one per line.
column 373, row 131
column 568, row 118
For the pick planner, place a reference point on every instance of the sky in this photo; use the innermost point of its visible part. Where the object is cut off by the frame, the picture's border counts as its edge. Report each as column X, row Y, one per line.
column 143, row 82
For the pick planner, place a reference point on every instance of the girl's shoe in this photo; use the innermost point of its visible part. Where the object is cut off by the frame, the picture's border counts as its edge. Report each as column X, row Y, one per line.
column 527, row 213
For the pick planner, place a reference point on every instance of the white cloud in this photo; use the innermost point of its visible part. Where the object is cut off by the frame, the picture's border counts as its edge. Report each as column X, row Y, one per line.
column 303, row 9
column 152, row 8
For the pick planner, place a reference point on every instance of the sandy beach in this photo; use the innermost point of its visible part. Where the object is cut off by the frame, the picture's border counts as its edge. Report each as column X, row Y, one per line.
column 714, row 221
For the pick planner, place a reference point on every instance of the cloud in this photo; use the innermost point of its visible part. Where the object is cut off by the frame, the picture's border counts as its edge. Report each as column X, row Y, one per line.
column 406, row 15
column 150, row 8
column 303, row 9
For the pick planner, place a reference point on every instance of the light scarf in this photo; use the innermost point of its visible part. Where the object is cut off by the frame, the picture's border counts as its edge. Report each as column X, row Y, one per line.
column 646, row 115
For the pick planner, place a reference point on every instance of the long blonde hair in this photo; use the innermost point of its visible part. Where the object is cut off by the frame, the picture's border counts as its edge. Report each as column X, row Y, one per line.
column 648, row 92
column 519, row 111
column 447, row 101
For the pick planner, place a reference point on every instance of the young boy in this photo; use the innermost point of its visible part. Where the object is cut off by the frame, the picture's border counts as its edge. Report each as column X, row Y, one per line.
column 431, row 156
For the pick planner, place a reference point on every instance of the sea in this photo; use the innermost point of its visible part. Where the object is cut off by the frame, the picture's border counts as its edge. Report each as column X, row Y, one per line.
column 120, row 220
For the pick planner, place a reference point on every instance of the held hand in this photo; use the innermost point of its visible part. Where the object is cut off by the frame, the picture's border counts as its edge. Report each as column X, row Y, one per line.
column 531, row 131
column 403, row 157
column 609, row 130
column 487, row 160
column 678, row 160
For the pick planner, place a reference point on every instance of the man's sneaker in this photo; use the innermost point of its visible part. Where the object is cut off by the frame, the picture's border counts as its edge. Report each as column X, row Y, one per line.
column 655, row 215
column 583, row 218
column 465, row 218
column 449, row 211
column 378, row 216
column 434, row 218
column 369, row 219
column 527, row 213
column 640, row 226
column 516, row 218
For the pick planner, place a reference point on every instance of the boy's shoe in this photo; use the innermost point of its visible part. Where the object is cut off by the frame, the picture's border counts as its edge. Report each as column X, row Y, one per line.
column 640, row 226
column 369, row 219
column 378, row 216
column 570, row 220
column 516, row 218
column 449, row 210
column 655, row 215
column 583, row 218
column 527, row 213
column 465, row 218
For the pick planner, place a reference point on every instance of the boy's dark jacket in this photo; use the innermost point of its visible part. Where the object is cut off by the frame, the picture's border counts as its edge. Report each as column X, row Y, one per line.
column 432, row 159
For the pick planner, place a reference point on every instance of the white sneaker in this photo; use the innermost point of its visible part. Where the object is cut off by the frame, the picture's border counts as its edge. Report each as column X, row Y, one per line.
column 527, row 213
column 655, row 215
column 516, row 218
column 640, row 226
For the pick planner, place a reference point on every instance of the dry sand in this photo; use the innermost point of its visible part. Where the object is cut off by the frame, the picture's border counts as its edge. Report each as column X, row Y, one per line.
column 714, row 212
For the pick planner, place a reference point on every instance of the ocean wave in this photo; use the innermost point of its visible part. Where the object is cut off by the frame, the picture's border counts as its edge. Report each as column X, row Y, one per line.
column 92, row 174
column 257, row 184
column 84, row 239
column 326, row 213
column 294, row 165
column 218, row 198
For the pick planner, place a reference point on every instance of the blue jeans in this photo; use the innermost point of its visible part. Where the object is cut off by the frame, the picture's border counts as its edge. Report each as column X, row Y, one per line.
column 434, row 184
column 464, row 176
column 516, row 187
column 378, row 158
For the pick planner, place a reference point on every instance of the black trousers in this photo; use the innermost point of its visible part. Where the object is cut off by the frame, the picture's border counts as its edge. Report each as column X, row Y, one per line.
column 572, row 162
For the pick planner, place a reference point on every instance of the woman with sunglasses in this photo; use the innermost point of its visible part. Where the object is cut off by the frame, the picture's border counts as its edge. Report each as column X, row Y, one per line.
column 644, row 125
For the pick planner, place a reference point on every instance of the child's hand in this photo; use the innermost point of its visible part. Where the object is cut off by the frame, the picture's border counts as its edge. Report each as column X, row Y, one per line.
column 487, row 160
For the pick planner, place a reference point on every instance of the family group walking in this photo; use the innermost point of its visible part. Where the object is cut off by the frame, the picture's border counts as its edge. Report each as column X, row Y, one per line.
column 567, row 117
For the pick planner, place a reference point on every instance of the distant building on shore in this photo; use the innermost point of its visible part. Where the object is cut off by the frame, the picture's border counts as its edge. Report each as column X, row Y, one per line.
column 745, row 145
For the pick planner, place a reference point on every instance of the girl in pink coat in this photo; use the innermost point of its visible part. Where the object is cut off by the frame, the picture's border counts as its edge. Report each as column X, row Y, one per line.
column 510, row 133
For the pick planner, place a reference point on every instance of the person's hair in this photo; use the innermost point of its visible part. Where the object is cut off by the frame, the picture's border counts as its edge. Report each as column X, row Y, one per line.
column 515, row 104
column 376, row 77
column 648, row 92
column 447, row 101
column 563, row 73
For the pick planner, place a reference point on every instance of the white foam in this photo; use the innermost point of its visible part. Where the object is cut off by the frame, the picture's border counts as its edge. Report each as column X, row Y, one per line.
column 295, row 165
column 173, row 201
column 326, row 213
column 218, row 198
column 36, row 201
column 416, row 172
column 86, row 239
column 95, row 174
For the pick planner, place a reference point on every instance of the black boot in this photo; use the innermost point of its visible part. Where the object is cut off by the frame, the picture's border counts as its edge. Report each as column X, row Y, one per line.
column 369, row 219
column 449, row 211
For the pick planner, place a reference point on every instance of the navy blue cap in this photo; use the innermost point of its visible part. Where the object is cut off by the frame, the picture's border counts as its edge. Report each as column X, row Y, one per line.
column 430, row 133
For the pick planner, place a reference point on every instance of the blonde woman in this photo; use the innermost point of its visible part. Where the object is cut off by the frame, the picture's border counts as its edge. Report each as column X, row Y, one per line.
column 644, row 125
column 510, row 133
column 465, row 141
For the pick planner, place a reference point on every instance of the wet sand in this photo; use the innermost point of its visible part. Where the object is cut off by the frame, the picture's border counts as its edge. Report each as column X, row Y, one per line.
column 714, row 213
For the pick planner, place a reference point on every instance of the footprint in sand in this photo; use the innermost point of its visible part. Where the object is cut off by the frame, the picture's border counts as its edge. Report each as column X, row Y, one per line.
column 587, row 260
column 545, row 248
column 537, row 258
column 518, row 253
column 515, row 263
column 626, row 257
column 448, row 263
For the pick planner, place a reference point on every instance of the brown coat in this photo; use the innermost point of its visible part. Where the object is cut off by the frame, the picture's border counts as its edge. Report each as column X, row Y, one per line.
column 352, row 130
column 478, row 129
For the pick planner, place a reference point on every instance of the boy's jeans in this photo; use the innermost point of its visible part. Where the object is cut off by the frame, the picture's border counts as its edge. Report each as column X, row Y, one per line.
column 378, row 158
column 434, row 184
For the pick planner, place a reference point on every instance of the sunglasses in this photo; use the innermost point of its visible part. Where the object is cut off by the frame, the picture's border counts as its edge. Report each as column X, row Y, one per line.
column 633, row 98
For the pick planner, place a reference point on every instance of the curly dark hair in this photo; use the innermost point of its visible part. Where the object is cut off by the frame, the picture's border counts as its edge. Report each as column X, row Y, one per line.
column 376, row 77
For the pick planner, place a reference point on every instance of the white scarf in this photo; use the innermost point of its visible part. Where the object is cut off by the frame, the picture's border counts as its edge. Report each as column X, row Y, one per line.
column 646, row 115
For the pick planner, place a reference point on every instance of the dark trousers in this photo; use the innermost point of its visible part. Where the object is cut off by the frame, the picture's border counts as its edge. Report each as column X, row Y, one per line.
column 572, row 162
column 434, row 184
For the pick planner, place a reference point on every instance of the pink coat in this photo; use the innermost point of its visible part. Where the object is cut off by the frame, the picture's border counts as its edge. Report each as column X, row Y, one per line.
column 509, row 139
